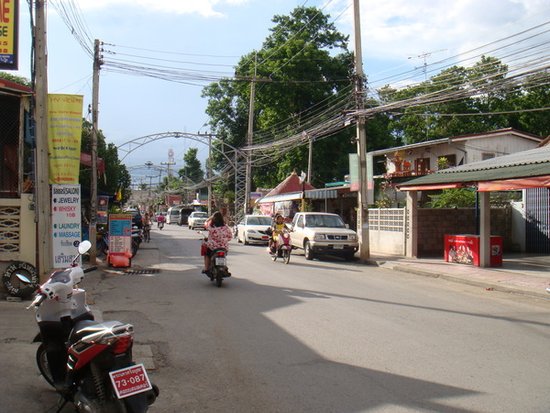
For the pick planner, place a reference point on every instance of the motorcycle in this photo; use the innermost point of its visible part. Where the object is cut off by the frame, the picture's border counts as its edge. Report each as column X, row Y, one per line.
column 137, row 239
column 89, row 363
column 160, row 225
column 281, row 248
column 218, row 264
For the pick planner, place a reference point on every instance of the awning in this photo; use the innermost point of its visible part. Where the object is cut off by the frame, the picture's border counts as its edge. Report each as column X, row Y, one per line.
column 322, row 194
column 281, row 197
column 512, row 184
column 431, row 187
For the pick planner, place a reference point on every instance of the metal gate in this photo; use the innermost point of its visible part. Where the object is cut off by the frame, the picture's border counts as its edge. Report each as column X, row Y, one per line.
column 537, row 231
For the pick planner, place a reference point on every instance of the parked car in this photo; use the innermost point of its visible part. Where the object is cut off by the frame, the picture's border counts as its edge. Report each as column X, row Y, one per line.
column 253, row 229
column 197, row 219
column 321, row 233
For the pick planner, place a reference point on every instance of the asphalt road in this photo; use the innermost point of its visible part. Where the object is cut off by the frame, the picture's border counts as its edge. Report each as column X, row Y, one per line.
column 326, row 336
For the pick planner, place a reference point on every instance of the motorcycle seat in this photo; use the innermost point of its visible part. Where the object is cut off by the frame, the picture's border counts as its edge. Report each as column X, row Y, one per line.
column 87, row 327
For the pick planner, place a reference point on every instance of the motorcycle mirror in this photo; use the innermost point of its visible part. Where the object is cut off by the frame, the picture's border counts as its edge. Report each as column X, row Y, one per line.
column 23, row 278
column 84, row 247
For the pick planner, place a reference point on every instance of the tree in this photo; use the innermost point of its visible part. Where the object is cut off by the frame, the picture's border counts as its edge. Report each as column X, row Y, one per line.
column 116, row 175
column 304, row 73
column 440, row 120
column 17, row 79
column 192, row 167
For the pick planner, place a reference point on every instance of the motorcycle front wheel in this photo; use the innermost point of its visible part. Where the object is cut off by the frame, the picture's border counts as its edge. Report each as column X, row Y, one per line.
column 42, row 363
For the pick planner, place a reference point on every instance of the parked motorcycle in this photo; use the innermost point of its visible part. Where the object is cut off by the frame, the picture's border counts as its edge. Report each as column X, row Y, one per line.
column 88, row 362
column 281, row 248
column 137, row 239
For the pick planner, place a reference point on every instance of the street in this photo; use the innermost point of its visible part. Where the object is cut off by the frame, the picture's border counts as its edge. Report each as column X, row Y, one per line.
column 319, row 336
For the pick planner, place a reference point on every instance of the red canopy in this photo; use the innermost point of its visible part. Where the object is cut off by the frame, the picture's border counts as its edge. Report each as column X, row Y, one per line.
column 86, row 159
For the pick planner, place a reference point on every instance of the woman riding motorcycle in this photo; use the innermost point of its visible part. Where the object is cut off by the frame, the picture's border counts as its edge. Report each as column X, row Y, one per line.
column 277, row 228
column 219, row 236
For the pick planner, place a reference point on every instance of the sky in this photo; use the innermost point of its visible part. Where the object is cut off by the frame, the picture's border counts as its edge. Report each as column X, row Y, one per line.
column 211, row 35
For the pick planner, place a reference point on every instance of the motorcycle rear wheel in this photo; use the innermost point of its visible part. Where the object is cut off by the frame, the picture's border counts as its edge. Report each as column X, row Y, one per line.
column 42, row 363
column 286, row 256
column 217, row 277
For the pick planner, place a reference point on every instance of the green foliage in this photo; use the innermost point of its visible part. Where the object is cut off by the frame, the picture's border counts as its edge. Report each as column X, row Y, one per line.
column 303, row 65
column 17, row 79
column 116, row 174
column 192, row 169
column 453, row 198
column 446, row 119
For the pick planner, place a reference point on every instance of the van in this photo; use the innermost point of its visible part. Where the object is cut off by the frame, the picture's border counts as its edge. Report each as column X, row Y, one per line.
column 173, row 215
column 184, row 215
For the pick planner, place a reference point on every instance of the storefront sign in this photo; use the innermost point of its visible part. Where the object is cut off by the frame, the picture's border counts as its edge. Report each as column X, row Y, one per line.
column 66, row 223
column 9, row 34
column 120, row 234
column 64, row 133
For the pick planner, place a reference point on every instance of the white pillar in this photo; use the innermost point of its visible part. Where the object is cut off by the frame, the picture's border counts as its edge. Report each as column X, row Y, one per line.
column 412, row 224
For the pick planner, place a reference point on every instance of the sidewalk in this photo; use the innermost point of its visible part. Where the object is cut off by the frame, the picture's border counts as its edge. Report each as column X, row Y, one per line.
column 520, row 274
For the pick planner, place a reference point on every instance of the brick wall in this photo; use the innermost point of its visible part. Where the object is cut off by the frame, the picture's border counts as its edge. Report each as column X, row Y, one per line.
column 433, row 224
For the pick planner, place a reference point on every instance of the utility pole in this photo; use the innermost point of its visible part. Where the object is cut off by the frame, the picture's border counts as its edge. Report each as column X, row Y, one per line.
column 209, row 175
column 362, row 204
column 43, row 205
column 249, row 135
column 93, row 184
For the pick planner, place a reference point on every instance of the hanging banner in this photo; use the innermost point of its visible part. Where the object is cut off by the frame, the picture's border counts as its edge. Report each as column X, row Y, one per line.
column 102, row 209
column 9, row 34
column 64, row 133
column 66, row 224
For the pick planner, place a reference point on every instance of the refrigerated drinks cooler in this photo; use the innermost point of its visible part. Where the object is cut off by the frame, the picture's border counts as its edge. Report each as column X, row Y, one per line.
column 464, row 249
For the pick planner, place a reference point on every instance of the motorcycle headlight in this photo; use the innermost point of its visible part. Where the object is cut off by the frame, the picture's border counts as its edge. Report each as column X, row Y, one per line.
column 320, row 237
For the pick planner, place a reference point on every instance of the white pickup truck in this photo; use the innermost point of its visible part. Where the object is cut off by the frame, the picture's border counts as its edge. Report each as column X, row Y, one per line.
column 321, row 233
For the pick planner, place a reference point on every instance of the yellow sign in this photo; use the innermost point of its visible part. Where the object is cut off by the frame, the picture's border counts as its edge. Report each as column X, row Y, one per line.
column 8, row 33
column 64, row 133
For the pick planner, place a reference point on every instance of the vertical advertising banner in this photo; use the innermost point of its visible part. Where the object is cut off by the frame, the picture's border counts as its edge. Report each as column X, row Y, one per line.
column 9, row 34
column 66, row 224
column 64, row 133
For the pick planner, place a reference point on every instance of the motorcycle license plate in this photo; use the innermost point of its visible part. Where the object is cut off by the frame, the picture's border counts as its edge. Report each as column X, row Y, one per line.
column 130, row 381
column 220, row 261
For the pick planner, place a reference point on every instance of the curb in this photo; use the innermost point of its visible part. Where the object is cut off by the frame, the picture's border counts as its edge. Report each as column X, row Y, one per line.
column 476, row 283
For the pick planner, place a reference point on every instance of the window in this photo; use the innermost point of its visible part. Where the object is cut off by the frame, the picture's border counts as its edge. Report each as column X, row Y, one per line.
column 9, row 146
column 422, row 165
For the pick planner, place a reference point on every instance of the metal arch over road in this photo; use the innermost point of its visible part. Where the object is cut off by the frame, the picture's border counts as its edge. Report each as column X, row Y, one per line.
column 130, row 146
column 238, row 162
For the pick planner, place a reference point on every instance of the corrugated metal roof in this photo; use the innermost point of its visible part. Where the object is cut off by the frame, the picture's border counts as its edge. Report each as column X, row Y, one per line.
column 454, row 139
column 534, row 162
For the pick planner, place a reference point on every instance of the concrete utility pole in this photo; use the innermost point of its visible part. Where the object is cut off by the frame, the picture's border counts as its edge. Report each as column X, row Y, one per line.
column 42, row 178
column 362, row 204
column 249, row 135
column 93, row 184
column 209, row 175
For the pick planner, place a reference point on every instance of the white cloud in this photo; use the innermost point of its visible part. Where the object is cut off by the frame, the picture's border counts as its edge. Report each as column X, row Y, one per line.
column 398, row 29
column 205, row 8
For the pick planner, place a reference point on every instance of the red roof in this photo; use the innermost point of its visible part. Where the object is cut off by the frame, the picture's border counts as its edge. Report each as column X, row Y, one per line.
column 290, row 184
column 14, row 87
